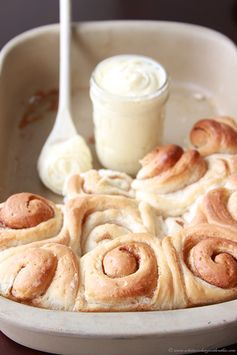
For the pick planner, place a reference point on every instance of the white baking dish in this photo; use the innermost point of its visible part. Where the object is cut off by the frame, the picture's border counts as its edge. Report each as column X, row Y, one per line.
column 202, row 65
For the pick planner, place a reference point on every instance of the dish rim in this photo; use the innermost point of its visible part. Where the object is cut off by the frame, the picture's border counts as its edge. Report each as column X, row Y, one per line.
column 108, row 324
column 160, row 323
column 26, row 35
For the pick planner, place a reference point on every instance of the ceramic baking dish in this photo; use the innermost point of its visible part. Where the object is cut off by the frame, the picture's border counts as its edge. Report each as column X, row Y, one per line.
column 202, row 65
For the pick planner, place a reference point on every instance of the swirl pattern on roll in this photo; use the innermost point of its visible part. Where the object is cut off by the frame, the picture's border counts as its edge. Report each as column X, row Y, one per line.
column 99, row 182
column 215, row 261
column 120, row 275
column 133, row 272
column 45, row 276
column 92, row 220
column 209, row 264
column 219, row 207
column 172, row 168
column 26, row 217
column 217, row 135
column 166, row 240
column 25, row 210
column 171, row 179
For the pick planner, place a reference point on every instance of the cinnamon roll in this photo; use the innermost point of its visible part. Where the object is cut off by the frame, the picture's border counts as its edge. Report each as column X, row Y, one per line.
column 172, row 168
column 166, row 240
column 217, row 135
column 45, row 276
column 99, row 182
column 171, row 179
column 219, row 207
column 95, row 219
column 26, row 217
column 130, row 273
column 209, row 264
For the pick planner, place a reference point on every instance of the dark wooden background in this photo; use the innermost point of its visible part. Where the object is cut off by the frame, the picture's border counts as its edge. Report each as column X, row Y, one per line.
column 18, row 16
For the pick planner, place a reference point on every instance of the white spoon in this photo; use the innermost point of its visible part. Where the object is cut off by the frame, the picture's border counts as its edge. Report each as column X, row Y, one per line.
column 64, row 152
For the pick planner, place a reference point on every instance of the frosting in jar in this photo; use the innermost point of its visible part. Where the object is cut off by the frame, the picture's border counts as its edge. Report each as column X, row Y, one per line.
column 130, row 76
column 63, row 159
column 128, row 93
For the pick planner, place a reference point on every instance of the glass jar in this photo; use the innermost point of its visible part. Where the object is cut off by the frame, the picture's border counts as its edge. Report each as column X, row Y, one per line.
column 128, row 94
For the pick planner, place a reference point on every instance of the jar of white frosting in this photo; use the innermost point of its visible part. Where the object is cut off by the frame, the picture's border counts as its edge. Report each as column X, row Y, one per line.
column 128, row 93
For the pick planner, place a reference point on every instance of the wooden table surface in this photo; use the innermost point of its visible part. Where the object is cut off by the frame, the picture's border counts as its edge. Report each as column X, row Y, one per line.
column 19, row 16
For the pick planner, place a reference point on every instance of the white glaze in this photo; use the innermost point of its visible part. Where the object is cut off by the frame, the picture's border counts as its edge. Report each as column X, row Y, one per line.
column 128, row 94
column 130, row 76
column 62, row 160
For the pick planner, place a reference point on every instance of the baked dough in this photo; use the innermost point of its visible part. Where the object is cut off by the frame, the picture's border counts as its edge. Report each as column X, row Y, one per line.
column 107, row 249
column 132, row 272
column 218, row 206
column 42, row 274
column 93, row 220
column 173, row 189
column 208, row 257
column 217, row 135
column 26, row 217
column 99, row 182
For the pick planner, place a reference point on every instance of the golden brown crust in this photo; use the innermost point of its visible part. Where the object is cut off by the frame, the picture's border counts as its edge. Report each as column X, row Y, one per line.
column 25, row 210
column 141, row 282
column 171, row 196
column 171, row 289
column 217, row 135
column 34, row 273
column 153, row 282
column 26, row 218
column 131, row 272
column 134, row 291
column 44, row 275
column 159, row 160
column 169, row 168
column 214, row 260
column 121, row 261
column 123, row 266
column 219, row 207
column 208, row 255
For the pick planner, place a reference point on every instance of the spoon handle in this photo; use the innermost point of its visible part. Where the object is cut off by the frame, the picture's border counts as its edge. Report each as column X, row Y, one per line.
column 65, row 42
